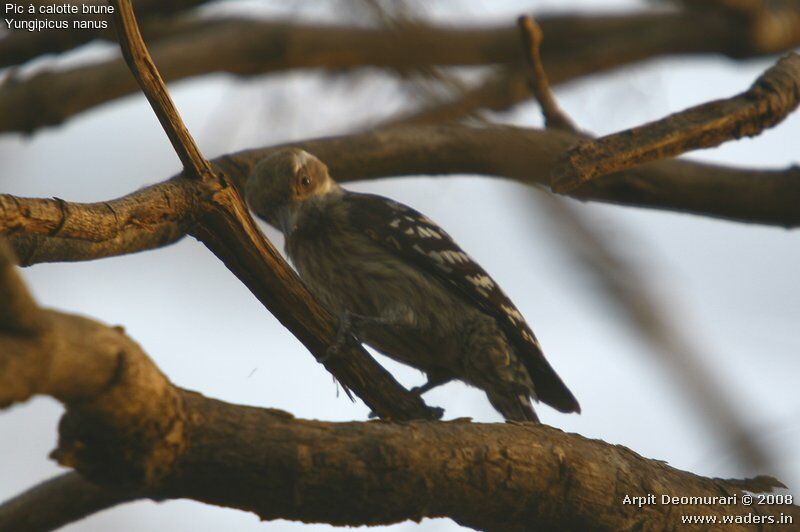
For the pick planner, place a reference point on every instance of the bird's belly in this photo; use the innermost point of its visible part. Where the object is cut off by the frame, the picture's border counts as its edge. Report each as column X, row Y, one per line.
column 415, row 320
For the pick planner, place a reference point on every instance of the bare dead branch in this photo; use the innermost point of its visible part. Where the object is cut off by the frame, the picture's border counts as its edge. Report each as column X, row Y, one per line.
column 35, row 249
column 144, row 70
column 18, row 311
column 171, row 202
column 57, row 502
column 224, row 225
column 773, row 96
column 578, row 45
column 45, row 230
column 554, row 117
column 130, row 431
column 524, row 155
column 630, row 292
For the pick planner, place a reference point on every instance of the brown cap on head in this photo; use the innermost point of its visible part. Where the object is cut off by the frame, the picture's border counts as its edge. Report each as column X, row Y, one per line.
column 283, row 179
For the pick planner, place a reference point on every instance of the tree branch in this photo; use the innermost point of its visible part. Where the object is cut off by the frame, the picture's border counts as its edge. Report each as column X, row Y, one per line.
column 554, row 117
column 144, row 70
column 529, row 155
column 773, row 96
column 130, row 431
column 57, row 502
column 224, row 225
column 579, row 45
column 18, row 311
column 524, row 155
column 628, row 290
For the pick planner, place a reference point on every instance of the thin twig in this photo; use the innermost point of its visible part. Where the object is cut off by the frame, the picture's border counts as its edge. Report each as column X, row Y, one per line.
column 578, row 45
column 554, row 117
column 773, row 96
column 628, row 289
column 223, row 223
column 146, row 73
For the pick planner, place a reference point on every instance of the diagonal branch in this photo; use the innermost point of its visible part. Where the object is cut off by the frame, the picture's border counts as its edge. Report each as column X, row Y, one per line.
column 224, row 225
column 146, row 73
column 773, row 96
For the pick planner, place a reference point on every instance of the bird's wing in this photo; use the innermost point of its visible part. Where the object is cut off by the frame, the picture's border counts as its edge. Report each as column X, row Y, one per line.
column 417, row 239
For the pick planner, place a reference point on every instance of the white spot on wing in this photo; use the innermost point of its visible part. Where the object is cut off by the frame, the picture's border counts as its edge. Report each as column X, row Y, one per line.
column 426, row 232
column 513, row 314
column 481, row 281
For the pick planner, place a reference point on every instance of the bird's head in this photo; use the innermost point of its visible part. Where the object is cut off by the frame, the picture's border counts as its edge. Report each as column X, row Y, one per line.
column 285, row 181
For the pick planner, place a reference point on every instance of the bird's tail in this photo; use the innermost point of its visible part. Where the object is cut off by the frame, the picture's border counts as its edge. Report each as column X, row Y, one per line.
column 513, row 407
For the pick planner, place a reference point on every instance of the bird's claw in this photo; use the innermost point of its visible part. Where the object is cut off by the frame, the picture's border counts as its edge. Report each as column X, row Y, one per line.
column 343, row 334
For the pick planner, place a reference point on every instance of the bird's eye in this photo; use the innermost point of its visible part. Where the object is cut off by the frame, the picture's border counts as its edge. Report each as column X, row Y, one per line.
column 305, row 181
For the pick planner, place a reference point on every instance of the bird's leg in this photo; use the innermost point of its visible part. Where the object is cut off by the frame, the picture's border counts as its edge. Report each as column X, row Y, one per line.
column 350, row 325
column 434, row 380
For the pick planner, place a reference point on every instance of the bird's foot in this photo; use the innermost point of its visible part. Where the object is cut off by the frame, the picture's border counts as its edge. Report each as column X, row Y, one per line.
column 343, row 334
column 349, row 331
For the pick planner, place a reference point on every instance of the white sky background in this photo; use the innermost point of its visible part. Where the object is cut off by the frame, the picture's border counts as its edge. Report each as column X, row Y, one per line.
column 732, row 287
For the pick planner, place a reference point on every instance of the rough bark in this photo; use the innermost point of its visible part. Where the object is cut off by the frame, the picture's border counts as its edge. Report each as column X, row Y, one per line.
column 524, row 155
column 577, row 45
column 223, row 223
column 132, row 432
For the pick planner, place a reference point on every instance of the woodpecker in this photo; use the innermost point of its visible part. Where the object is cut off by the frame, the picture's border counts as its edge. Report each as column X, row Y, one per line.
column 401, row 285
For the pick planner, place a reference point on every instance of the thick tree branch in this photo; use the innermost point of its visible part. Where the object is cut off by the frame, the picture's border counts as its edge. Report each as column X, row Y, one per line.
column 45, row 230
column 773, row 96
column 129, row 430
column 224, row 225
column 578, row 45
column 529, row 155
column 170, row 202
column 524, row 155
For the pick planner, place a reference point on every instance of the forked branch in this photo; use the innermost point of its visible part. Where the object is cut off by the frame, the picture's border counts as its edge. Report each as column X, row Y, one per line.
column 222, row 222
column 773, row 96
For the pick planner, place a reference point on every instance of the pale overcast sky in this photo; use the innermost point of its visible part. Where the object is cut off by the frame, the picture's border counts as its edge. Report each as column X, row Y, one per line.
column 732, row 287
